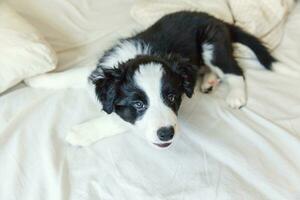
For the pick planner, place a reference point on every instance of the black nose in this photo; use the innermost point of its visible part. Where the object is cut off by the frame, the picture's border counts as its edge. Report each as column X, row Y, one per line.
column 165, row 133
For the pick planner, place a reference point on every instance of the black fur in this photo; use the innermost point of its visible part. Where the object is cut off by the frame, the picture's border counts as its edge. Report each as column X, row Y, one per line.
column 184, row 32
column 106, row 88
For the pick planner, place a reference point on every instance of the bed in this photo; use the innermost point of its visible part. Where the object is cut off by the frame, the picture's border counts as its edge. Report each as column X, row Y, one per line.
column 252, row 153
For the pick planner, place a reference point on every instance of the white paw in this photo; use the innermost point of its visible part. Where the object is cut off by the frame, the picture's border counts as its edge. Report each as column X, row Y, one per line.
column 96, row 129
column 236, row 98
column 40, row 81
column 210, row 82
column 79, row 138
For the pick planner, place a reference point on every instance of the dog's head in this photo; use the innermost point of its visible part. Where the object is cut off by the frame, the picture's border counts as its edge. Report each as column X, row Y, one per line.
column 147, row 91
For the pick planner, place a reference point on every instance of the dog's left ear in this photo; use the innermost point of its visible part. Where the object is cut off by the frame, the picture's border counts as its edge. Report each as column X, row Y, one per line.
column 187, row 72
column 106, row 82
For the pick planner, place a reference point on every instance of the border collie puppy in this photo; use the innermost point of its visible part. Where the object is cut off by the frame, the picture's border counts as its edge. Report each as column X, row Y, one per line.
column 143, row 78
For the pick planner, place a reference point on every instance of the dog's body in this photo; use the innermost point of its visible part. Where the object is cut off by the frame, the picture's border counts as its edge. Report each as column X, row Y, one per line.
column 142, row 78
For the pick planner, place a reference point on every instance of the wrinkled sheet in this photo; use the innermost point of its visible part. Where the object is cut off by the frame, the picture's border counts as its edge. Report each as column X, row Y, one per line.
column 253, row 153
column 78, row 30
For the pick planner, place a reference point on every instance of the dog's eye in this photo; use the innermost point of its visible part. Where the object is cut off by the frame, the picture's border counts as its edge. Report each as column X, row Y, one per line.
column 139, row 105
column 171, row 97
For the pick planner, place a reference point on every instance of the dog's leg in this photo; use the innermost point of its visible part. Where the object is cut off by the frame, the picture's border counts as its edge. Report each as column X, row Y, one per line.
column 228, row 70
column 96, row 129
column 237, row 96
column 73, row 78
column 209, row 82
column 217, row 54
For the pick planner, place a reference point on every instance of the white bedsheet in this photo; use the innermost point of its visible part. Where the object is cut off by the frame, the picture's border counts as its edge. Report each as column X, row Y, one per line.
column 253, row 153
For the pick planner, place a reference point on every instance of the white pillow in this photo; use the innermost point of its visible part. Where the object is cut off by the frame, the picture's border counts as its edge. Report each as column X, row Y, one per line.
column 23, row 51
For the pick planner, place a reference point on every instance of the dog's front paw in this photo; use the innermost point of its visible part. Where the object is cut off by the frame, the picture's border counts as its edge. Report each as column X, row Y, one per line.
column 236, row 98
column 96, row 129
column 40, row 81
column 209, row 82
column 79, row 138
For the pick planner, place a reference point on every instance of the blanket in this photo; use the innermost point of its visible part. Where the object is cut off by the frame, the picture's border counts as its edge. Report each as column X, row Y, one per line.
column 221, row 154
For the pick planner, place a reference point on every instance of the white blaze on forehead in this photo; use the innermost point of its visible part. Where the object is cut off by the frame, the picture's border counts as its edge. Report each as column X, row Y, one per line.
column 149, row 79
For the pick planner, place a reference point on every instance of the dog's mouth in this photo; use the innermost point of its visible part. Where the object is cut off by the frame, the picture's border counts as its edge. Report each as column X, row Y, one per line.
column 163, row 145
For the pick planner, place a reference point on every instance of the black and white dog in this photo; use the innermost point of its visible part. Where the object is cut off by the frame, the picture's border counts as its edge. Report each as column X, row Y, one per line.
column 143, row 78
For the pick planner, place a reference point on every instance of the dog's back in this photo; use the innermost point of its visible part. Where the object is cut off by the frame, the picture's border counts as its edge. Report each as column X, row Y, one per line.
column 177, row 34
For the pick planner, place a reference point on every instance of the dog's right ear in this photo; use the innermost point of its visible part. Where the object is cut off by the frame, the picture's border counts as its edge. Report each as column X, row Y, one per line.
column 106, row 83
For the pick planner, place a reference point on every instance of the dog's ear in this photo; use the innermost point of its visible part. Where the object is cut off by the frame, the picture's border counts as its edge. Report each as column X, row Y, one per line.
column 106, row 83
column 187, row 72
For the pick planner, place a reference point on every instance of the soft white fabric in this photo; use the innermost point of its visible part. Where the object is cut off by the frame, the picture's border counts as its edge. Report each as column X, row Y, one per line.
column 78, row 30
column 220, row 154
column 23, row 51
column 146, row 12
column 263, row 18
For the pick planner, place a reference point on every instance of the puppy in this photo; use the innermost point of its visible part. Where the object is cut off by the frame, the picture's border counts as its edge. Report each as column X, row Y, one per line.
column 143, row 78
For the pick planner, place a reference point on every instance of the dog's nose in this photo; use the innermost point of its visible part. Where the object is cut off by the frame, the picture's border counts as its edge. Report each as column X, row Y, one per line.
column 165, row 133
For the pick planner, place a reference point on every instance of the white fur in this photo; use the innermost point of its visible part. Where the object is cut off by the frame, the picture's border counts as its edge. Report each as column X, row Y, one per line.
column 158, row 114
column 124, row 51
column 88, row 132
column 236, row 97
column 207, row 54
column 74, row 78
